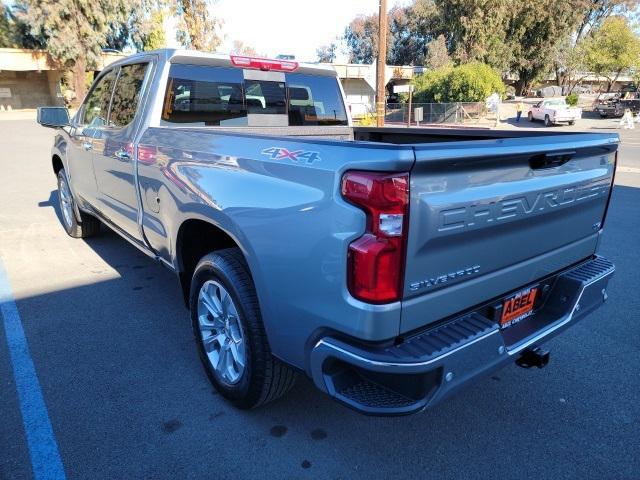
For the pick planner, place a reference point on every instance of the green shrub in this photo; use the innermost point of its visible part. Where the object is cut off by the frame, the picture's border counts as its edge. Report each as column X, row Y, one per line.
column 471, row 82
column 429, row 87
column 368, row 120
column 572, row 99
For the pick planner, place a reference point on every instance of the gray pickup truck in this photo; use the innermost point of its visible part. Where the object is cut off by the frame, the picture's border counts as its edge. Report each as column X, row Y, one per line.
column 390, row 265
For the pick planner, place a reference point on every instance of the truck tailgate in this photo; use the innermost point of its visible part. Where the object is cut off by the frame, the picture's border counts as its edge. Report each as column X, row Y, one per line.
column 488, row 217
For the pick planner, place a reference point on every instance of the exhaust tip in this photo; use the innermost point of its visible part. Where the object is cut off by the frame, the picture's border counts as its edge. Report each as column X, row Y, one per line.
column 533, row 357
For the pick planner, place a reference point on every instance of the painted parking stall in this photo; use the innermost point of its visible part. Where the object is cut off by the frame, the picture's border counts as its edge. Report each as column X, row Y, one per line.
column 43, row 449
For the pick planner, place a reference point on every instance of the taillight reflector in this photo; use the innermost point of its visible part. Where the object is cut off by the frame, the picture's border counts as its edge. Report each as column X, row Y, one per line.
column 613, row 180
column 376, row 260
column 147, row 154
column 265, row 64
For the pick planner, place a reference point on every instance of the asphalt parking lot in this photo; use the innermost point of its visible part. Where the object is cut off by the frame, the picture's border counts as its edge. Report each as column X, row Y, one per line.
column 126, row 396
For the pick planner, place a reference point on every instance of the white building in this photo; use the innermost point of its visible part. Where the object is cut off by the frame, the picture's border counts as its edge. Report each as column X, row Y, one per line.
column 359, row 83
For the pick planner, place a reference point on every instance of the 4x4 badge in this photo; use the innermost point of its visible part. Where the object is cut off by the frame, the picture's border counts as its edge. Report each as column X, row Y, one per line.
column 281, row 153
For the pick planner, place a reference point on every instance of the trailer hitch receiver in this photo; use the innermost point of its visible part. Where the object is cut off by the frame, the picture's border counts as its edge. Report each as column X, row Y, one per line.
column 533, row 357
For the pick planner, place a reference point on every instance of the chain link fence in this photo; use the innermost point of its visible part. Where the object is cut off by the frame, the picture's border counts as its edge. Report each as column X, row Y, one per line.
column 458, row 112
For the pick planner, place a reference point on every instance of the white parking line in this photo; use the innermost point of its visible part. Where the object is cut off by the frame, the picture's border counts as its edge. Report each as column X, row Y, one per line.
column 43, row 449
column 628, row 169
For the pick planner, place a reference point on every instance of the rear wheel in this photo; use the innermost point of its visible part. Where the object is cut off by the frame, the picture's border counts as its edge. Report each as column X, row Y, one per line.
column 530, row 116
column 230, row 335
column 87, row 226
column 547, row 121
column 572, row 122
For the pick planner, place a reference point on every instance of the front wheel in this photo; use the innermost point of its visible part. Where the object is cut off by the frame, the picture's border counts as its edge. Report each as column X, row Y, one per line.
column 230, row 335
column 547, row 121
column 87, row 226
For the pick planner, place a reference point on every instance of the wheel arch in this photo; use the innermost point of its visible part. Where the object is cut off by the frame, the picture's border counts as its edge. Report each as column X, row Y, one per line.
column 195, row 239
column 56, row 163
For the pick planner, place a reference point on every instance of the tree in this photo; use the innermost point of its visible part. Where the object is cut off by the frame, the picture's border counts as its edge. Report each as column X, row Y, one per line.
column 155, row 37
column 239, row 48
column 74, row 32
column 7, row 29
column 569, row 63
column 612, row 49
column 595, row 12
column 14, row 33
column 327, row 53
column 570, row 54
column 476, row 30
column 528, row 38
column 198, row 29
column 437, row 55
column 410, row 28
column 536, row 29
column 361, row 38
column 404, row 47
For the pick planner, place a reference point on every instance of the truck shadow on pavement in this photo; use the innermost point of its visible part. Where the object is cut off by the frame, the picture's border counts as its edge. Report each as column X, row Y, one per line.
column 121, row 374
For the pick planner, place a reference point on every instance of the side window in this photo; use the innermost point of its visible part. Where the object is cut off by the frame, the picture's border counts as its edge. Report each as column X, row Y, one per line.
column 204, row 95
column 127, row 94
column 96, row 106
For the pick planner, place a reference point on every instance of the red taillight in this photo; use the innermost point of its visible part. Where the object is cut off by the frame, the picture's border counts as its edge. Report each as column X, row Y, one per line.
column 264, row 63
column 376, row 260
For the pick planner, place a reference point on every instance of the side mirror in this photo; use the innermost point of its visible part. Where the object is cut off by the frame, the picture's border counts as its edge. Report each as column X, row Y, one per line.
column 53, row 117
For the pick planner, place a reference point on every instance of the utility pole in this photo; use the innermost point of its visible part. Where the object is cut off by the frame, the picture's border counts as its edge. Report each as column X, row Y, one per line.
column 382, row 61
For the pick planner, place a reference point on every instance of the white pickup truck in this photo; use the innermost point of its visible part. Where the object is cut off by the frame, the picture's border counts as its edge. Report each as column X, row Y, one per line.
column 553, row 111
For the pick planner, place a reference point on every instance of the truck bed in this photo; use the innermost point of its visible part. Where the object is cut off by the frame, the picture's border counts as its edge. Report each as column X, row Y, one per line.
column 420, row 135
column 392, row 135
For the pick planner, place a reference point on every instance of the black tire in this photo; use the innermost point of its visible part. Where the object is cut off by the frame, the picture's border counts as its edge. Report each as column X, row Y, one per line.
column 572, row 122
column 264, row 378
column 87, row 226
column 547, row 121
column 530, row 116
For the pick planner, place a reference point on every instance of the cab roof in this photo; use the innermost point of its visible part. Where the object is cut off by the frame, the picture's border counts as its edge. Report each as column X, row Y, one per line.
column 194, row 57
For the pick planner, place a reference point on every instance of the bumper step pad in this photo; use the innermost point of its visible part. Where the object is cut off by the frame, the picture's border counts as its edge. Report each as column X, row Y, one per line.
column 374, row 396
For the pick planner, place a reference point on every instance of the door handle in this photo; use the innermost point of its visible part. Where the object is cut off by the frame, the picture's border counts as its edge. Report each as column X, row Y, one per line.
column 87, row 145
column 122, row 155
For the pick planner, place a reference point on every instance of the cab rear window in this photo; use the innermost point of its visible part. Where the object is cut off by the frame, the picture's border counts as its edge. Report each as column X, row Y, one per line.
column 220, row 96
column 198, row 95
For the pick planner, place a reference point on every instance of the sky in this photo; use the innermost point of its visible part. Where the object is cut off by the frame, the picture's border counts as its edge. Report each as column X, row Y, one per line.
column 294, row 27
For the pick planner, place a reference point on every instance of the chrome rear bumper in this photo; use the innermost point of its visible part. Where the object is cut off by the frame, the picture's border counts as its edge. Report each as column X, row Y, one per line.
column 428, row 366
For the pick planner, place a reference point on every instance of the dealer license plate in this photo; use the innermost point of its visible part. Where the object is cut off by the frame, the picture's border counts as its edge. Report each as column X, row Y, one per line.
column 518, row 307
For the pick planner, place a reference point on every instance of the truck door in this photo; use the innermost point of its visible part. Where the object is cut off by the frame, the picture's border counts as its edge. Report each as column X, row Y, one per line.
column 91, row 116
column 113, row 152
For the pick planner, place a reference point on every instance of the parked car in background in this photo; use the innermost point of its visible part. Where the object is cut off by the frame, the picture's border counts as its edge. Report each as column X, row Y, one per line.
column 615, row 107
column 608, row 105
column 554, row 111
column 629, row 88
